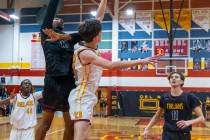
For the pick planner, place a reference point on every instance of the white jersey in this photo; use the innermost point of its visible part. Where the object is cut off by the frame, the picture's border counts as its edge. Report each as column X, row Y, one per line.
column 82, row 99
column 23, row 115
column 22, row 134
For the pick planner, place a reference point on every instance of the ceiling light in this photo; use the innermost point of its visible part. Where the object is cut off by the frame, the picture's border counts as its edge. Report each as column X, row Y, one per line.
column 129, row 12
column 93, row 13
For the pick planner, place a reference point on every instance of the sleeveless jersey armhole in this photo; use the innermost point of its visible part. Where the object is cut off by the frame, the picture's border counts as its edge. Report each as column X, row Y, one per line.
column 78, row 53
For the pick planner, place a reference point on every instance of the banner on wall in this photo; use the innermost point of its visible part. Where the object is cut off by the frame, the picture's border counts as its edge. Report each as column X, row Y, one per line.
column 127, row 22
column 180, row 47
column 135, row 49
column 106, row 54
column 184, row 19
column 159, row 19
column 144, row 20
column 202, row 18
column 37, row 54
column 140, row 103
column 199, row 45
column 200, row 52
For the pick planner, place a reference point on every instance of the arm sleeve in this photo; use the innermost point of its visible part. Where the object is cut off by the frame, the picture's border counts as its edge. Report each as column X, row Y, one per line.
column 194, row 101
column 49, row 16
column 37, row 95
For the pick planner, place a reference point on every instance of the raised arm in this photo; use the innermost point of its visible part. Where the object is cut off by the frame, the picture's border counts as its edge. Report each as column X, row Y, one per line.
column 48, row 18
column 46, row 28
column 101, row 10
column 50, row 14
column 90, row 57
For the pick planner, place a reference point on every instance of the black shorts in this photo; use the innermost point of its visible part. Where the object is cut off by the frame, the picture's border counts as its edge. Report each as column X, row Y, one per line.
column 171, row 135
column 56, row 93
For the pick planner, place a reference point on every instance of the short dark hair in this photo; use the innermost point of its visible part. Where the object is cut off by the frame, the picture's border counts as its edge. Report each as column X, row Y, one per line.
column 90, row 29
column 24, row 81
column 182, row 77
column 59, row 25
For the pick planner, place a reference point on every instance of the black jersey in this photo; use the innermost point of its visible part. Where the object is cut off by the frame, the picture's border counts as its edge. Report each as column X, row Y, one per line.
column 178, row 108
column 59, row 54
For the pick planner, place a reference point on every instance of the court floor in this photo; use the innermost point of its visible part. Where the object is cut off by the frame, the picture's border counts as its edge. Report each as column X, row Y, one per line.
column 111, row 128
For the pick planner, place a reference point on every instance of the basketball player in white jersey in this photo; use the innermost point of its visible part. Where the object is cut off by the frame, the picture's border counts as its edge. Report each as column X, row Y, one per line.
column 88, row 69
column 23, row 117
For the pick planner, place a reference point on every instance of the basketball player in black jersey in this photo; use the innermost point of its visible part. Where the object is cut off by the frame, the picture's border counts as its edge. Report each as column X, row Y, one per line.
column 59, row 79
column 177, row 108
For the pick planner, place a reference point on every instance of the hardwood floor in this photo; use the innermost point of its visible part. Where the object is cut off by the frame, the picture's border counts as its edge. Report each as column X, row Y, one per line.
column 110, row 128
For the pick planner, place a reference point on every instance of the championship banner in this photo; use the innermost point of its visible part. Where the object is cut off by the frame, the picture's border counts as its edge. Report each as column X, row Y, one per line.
column 180, row 47
column 135, row 49
column 184, row 19
column 144, row 20
column 201, row 18
column 160, row 20
column 200, row 52
column 37, row 54
column 127, row 22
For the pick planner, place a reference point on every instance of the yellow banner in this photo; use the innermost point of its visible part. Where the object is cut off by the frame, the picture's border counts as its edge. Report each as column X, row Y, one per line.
column 184, row 19
column 160, row 20
column 14, row 65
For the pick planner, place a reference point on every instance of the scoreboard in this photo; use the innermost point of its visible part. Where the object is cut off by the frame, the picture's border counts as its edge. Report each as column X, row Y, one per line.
column 180, row 47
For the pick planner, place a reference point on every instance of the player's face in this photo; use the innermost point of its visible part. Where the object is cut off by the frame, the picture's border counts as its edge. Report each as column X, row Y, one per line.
column 58, row 23
column 26, row 86
column 175, row 80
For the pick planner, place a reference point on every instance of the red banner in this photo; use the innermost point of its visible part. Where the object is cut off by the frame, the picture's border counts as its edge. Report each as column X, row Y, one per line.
column 106, row 54
column 180, row 47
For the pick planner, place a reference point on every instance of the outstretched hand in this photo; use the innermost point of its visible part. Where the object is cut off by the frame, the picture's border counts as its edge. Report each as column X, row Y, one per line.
column 150, row 60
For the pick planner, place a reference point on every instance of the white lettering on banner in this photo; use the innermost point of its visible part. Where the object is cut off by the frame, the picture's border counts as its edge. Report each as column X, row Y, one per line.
column 201, row 17
column 175, row 42
column 144, row 20
column 128, row 22
column 180, row 47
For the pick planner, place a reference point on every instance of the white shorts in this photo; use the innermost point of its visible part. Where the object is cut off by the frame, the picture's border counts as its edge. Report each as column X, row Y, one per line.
column 81, row 107
column 22, row 134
